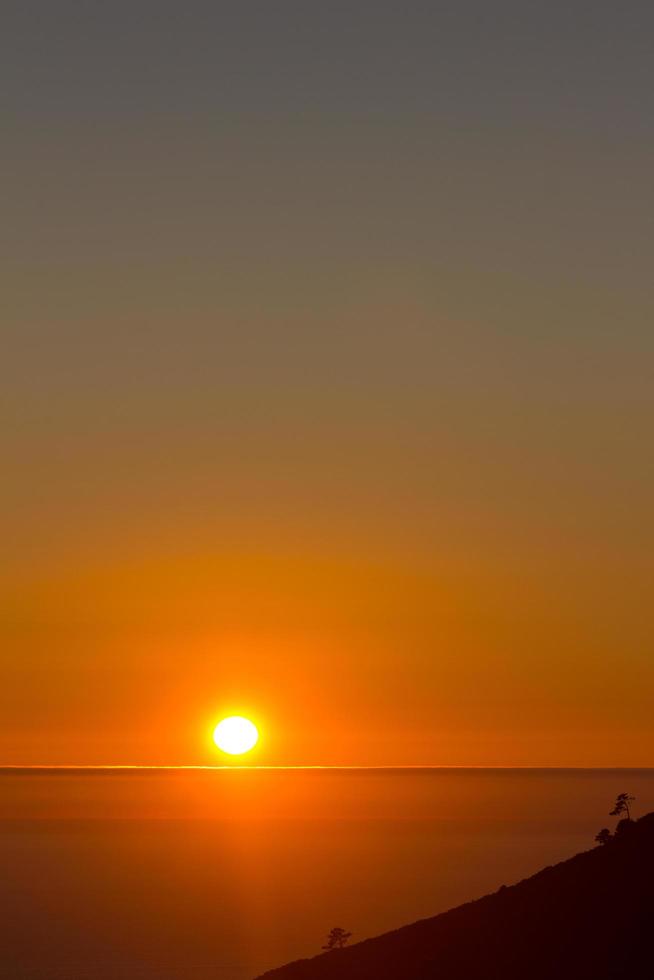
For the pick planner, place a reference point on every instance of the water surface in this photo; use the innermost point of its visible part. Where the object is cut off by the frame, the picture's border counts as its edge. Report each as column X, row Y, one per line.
column 218, row 875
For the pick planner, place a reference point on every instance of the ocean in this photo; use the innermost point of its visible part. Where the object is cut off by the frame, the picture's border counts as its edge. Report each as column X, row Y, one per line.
column 214, row 874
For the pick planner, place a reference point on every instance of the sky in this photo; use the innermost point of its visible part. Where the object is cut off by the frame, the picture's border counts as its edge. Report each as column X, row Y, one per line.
column 327, row 381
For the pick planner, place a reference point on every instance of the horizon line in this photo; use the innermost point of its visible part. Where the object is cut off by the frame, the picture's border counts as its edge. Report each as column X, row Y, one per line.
column 131, row 767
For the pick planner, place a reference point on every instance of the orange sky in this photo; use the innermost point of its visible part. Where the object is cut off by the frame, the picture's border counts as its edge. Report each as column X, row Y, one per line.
column 373, row 657
column 327, row 388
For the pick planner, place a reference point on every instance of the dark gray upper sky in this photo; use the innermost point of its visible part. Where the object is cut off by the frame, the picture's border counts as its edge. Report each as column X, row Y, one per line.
column 582, row 62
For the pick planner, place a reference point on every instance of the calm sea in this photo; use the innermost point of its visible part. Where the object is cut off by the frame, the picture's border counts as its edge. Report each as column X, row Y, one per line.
column 218, row 875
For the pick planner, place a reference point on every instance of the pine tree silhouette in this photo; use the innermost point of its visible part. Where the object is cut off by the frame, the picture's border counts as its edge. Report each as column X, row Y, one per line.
column 337, row 938
column 621, row 806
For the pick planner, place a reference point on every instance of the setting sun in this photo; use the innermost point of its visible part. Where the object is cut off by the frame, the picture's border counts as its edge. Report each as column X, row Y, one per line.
column 235, row 735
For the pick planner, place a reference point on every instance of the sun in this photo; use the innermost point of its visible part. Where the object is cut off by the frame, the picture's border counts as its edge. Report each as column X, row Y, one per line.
column 235, row 735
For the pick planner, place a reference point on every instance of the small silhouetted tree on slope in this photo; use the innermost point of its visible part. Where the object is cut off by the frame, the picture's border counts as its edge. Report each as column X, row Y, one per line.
column 604, row 836
column 621, row 806
column 337, row 938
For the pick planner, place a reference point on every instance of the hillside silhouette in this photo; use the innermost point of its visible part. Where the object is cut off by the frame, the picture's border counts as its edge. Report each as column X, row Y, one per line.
column 589, row 918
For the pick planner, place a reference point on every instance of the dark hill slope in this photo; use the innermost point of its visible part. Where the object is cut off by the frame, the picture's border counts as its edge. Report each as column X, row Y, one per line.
column 589, row 918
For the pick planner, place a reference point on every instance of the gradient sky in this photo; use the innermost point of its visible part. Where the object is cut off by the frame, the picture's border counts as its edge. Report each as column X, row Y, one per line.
column 327, row 381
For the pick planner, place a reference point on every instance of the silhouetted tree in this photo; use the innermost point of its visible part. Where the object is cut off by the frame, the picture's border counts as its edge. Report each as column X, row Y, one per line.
column 337, row 938
column 621, row 806
column 604, row 836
